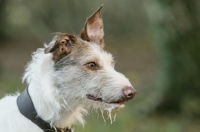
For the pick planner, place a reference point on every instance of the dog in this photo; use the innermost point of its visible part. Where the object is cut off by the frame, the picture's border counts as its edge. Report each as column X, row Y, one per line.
column 65, row 79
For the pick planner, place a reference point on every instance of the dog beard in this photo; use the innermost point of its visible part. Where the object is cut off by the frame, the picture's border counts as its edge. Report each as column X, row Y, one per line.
column 108, row 111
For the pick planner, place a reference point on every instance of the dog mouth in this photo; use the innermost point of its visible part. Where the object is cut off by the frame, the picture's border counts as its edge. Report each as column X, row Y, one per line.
column 91, row 97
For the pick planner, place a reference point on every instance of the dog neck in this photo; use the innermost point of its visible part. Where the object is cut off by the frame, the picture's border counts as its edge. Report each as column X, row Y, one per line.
column 51, row 108
column 45, row 96
column 26, row 108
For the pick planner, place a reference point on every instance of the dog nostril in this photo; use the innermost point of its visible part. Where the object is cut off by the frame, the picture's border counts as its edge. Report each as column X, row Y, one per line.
column 129, row 92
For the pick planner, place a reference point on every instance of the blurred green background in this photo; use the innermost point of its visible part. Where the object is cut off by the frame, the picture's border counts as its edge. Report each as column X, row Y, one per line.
column 155, row 43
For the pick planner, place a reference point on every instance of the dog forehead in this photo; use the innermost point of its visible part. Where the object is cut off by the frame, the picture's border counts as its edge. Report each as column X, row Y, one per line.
column 90, row 51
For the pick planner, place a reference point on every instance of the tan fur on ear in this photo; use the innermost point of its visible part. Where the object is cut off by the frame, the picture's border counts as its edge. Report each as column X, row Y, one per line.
column 61, row 45
column 93, row 30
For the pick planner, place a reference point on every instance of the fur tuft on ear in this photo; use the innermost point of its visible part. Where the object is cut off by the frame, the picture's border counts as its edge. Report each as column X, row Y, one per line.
column 61, row 45
column 93, row 30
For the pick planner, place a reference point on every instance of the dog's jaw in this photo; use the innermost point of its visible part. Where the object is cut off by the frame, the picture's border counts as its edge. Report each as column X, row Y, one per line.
column 111, row 109
column 91, row 97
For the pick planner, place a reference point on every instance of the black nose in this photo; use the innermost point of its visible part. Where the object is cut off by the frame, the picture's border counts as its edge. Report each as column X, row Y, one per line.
column 129, row 92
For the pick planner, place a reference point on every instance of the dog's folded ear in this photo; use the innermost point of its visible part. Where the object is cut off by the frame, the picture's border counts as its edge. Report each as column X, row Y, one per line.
column 60, row 45
column 93, row 30
column 61, row 42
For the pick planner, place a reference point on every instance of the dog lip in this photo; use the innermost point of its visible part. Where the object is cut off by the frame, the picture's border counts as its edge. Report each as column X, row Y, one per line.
column 117, row 102
column 93, row 98
column 89, row 96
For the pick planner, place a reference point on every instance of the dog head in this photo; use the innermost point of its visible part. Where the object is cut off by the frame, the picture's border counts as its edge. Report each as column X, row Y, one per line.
column 84, row 72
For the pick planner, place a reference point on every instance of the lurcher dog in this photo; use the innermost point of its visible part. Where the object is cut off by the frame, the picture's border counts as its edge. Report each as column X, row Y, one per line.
column 67, row 77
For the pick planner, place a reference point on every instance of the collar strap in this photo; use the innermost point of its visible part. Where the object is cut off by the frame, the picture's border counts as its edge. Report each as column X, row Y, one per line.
column 26, row 108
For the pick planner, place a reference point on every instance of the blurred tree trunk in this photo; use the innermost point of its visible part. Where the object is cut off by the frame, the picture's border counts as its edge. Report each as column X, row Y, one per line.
column 2, row 20
column 176, row 27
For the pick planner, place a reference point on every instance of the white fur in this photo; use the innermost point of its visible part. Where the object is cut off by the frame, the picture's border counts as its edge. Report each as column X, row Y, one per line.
column 59, row 96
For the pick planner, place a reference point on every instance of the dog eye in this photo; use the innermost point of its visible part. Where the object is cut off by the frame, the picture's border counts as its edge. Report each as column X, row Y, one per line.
column 92, row 66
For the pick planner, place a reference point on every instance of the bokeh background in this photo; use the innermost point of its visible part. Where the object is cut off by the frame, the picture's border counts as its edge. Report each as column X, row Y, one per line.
column 156, row 44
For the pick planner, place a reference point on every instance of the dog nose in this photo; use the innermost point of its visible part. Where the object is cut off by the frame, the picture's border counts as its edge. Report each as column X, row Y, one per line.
column 129, row 92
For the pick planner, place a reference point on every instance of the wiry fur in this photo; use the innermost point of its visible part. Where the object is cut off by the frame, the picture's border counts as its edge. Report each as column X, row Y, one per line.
column 59, row 88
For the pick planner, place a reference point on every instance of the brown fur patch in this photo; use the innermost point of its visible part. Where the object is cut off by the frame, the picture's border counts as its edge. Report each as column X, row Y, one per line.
column 61, row 46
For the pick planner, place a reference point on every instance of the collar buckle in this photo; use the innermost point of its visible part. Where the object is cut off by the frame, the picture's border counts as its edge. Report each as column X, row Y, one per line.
column 61, row 129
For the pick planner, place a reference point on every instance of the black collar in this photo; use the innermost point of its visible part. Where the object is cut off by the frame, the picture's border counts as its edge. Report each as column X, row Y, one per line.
column 26, row 108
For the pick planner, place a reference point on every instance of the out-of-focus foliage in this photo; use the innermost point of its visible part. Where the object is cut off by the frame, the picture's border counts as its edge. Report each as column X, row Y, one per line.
column 154, row 42
column 42, row 17
column 2, row 20
column 176, row 27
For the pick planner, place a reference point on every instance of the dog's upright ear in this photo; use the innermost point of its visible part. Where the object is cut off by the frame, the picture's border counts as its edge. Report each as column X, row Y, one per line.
column 61, row 45
column 93, row 30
